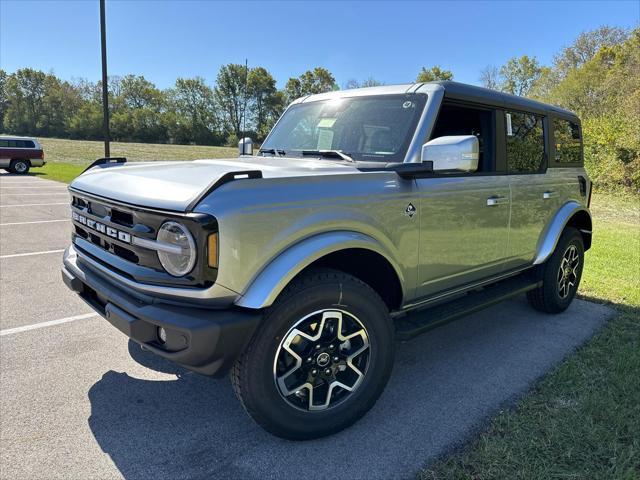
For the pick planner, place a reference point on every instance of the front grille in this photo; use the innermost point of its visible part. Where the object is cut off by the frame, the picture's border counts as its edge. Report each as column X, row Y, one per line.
column 104, row 229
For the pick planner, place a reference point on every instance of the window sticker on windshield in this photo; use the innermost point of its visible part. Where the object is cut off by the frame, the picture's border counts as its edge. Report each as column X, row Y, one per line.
column 509, row 128
column 326, row 122
column 325, row 139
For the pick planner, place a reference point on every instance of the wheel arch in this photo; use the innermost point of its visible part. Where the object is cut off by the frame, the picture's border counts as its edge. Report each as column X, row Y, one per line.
column 570, row 214
column 351, row 252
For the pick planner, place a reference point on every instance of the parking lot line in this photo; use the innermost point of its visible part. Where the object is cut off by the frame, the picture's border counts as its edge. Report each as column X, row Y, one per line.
column 13, row 255
column 39, row 187
column 29, row 223
column 50, row 323
column 34, row 205
column 31, row 194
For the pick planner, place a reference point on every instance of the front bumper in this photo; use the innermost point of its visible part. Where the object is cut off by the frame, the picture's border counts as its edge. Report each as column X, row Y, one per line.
column 205, row 340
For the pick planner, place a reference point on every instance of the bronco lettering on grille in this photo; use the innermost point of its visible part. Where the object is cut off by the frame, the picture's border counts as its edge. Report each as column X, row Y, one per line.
column 99, row 227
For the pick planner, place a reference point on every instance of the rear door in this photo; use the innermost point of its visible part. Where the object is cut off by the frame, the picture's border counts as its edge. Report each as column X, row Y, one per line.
column 464, row 218
column 534, row 196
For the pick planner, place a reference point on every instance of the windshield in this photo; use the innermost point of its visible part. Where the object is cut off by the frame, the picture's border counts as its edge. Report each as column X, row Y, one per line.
column 375, row 128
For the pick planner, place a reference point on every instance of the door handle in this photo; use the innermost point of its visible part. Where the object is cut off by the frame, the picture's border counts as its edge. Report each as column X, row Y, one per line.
column 496, row 200
column 548, row 195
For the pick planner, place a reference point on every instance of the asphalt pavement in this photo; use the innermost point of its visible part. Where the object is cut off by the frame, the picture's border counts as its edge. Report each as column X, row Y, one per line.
column 77, row 400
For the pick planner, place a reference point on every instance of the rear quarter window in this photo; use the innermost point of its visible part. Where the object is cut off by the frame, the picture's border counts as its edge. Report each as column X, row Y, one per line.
column 567, row 141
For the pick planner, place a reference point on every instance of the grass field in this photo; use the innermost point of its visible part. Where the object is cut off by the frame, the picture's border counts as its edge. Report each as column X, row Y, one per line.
column 67, row 158
column 582, row 421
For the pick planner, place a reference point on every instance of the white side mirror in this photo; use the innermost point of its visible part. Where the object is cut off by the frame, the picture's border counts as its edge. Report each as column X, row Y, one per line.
column 245, row 146
column 456, row 153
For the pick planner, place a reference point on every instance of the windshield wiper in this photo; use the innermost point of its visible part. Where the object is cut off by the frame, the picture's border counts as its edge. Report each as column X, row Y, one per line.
column 329, row 153
column 273, row 151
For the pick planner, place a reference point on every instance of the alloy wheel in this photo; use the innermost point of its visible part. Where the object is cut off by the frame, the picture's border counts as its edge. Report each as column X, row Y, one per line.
column 322, row 360
column 567, row 273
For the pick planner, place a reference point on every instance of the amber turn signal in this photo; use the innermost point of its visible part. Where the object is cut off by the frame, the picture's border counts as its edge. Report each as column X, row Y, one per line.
column 213, row 250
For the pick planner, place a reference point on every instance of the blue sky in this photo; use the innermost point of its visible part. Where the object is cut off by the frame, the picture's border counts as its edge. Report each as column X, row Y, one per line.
column 389, row 41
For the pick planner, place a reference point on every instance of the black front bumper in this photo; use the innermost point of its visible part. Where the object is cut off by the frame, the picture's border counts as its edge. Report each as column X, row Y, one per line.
column 205, row 340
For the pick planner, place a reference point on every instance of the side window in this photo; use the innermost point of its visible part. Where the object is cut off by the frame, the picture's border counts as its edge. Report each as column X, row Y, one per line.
column 567, row 141
column 29, row 144
column 455, row 119
column 13, row 143
column 4, row 143
column 525, row 142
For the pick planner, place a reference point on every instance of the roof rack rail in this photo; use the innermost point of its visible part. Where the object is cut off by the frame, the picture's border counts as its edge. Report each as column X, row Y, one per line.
column 104, row 161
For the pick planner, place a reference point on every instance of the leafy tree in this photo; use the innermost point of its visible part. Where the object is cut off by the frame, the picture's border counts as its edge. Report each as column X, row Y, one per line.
column 605, row 93
column 585, row 47
column 265, row 102
column 4, row 100
column 433, row 74
column 519, row 75
column 318, row 80
column 230, row 95
column 490, row 77
column 135, row 91
column 192, row 113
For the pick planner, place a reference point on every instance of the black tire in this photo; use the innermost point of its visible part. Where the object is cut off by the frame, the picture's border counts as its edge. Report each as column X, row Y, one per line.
column 552, row 296
column 254, row 374
column 20, row 167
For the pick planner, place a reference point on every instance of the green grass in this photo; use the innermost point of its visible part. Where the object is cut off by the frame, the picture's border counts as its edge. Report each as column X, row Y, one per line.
column 582, row 421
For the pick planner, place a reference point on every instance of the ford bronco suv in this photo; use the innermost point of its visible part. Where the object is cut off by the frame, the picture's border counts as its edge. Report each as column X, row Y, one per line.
column 368, row 215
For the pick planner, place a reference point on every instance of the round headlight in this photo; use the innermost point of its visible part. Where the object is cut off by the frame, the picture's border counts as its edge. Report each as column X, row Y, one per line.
column 177, row 250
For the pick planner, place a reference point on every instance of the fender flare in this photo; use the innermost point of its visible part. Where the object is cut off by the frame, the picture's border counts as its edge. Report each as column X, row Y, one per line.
column 549, row 238
column 276, row 275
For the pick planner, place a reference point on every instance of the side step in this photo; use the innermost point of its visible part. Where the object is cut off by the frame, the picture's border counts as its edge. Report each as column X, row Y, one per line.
column 420, row 321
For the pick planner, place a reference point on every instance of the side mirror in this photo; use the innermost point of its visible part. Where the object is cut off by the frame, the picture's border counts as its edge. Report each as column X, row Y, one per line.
column 245, row 146
column 456, row 153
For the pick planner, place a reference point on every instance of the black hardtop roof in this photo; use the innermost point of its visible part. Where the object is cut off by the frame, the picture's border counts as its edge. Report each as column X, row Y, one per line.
column 471, row 93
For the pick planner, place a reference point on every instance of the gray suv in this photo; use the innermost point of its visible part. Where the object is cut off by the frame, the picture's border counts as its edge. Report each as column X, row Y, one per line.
column 368, row 215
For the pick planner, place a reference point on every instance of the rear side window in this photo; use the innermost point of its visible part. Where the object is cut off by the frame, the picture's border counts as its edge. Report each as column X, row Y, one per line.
column 525, row 142
column 567, row 140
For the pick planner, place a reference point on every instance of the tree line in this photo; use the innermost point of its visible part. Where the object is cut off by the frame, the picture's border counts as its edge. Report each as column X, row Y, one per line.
column 596, row 77
column 242, row 101
column 36, row 103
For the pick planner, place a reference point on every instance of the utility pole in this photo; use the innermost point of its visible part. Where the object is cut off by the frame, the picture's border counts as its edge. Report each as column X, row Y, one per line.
column 105, row 87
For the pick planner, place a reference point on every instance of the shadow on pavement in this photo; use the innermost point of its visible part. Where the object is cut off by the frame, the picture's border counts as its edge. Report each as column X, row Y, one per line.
column 445, row 385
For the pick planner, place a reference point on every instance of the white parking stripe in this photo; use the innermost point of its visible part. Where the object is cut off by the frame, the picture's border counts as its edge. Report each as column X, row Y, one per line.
column 13, row 255
column 30, row 223
column 33, row 205
column 39, row 187
column 31, row 194
column 51, row 323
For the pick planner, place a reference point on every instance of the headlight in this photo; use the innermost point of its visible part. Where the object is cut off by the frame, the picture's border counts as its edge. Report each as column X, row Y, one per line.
column 179, row 255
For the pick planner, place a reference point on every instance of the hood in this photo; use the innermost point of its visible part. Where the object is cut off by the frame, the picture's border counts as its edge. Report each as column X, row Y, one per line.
column 175, row 185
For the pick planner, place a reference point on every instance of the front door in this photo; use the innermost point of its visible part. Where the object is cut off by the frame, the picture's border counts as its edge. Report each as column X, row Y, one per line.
column 464, row 218
column 464, row 230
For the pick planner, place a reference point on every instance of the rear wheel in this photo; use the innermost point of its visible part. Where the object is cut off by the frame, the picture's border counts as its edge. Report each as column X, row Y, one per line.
column 560, row 274
column 20, row 167
column 320, row 359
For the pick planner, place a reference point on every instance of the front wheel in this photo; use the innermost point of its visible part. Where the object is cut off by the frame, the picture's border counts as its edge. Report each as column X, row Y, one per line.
column 560, row 274
column 320, row 359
